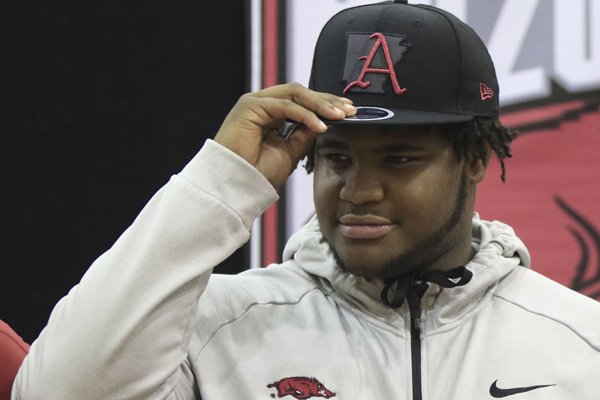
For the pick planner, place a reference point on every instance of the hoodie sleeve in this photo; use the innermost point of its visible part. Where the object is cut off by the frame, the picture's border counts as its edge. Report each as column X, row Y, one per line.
column 123, row 331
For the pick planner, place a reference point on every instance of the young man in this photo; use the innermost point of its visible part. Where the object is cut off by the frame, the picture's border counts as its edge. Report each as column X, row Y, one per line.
column 394, row 289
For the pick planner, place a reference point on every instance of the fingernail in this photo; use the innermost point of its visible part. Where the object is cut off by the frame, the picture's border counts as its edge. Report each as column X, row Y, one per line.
column 322, row 125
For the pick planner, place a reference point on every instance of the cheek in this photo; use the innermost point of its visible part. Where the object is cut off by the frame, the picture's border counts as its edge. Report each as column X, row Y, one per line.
column 433, row 196
column 414, row 203
column 326, row 187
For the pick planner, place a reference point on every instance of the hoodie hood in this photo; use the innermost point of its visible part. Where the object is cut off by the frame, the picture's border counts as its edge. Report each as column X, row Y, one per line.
column 497, row 252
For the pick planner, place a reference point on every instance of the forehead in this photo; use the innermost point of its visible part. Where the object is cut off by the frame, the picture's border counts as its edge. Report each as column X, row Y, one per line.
column 422, row 136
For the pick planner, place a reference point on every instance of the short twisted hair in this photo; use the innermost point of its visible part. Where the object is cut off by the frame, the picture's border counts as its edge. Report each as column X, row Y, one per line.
column 473, row 137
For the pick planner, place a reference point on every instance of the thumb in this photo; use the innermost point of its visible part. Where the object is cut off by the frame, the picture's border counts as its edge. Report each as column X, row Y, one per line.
column 299, row 143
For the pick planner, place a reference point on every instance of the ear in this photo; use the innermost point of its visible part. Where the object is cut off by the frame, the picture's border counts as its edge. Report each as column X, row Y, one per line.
column 477, row 165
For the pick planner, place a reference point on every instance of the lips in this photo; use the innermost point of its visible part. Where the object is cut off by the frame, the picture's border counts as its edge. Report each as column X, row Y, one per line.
column 364, row 226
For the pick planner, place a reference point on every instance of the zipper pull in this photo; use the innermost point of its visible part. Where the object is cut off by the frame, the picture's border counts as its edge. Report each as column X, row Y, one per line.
column 417, row 289
column 417, row 323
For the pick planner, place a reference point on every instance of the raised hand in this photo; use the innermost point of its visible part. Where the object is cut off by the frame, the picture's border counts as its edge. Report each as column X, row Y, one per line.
column 252, row 127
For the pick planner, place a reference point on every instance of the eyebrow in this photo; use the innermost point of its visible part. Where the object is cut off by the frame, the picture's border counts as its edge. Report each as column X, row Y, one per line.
column 384, row 148
column 331, row 144
column 397, row 147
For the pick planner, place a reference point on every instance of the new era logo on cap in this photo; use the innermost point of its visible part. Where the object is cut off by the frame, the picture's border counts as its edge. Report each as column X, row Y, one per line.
column 486, row 92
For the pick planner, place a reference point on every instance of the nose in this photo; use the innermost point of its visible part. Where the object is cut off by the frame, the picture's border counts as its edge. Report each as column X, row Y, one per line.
column 361, row 186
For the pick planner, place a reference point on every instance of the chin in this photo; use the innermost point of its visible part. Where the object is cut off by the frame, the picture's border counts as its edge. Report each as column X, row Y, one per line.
column 369, row 259
column 369, row 268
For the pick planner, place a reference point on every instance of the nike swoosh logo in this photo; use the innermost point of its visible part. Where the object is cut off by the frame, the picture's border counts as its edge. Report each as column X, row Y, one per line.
column 497, row 393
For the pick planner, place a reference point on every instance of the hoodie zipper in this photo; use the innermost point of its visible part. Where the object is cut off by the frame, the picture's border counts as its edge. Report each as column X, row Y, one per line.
column 415, row 293
column 412, row 289
column 415, row 348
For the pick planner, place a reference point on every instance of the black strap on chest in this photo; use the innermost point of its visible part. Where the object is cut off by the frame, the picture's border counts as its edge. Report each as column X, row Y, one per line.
column 414, row 285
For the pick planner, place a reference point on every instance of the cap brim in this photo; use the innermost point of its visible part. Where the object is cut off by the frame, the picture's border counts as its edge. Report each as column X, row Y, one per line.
column 382, row 116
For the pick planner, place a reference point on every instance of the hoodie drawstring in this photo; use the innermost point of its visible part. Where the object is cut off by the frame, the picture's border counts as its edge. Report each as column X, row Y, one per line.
column 411, row 287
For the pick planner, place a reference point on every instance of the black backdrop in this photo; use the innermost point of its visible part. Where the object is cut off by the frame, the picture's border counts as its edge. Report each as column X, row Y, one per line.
column 100, row 102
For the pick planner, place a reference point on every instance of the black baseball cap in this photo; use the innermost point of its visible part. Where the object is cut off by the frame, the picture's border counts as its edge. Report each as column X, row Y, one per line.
column 405, row 64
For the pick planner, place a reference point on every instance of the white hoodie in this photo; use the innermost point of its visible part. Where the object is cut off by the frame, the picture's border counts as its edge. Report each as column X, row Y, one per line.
column 145, row 322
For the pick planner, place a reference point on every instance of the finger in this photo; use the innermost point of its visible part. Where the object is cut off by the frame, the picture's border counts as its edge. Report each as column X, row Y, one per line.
column 299, row 143
column 265, row 111
column 325, row 104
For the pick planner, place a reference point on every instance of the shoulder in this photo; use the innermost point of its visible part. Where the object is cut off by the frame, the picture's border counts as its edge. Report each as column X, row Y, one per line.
column 539, row 295
column 277, row 283
column 228, row 297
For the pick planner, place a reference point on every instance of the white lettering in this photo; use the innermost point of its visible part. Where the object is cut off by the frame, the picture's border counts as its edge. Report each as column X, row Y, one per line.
column 505, row 44
column 577, row 44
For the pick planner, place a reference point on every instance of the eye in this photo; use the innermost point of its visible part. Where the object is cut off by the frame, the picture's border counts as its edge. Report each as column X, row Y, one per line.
column 399, row 159
column 336, row 157
column 336, row 160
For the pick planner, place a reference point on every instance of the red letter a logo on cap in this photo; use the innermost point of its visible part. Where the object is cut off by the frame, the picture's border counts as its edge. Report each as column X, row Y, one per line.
column 367, row 69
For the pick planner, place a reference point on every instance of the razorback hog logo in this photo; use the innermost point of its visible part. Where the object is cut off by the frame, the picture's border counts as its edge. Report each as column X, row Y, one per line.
column 551, row 195
column 301, row 388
